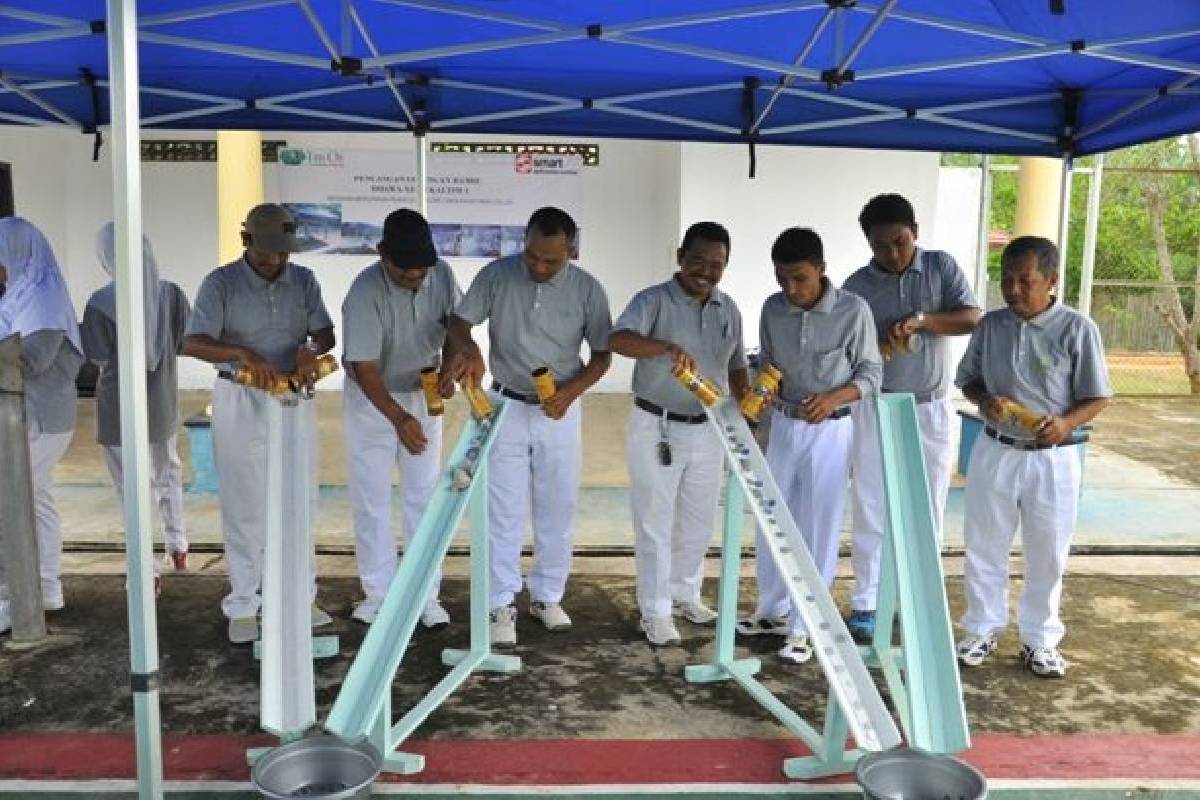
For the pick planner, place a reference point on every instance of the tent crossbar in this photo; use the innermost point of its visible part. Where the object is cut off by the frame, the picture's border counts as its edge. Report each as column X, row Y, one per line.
column 838, row 99
column 397, row 95
column 323, row 92
column 485, row 15
column 40, row 86
column 257, row 53
column 786, row 80
column 180, row 94
column 704, row 17
column 669, row 118
column 498, row 115
column 40, row 122
column 1135, row 107
column 332, row 116
column 473, row 48
column 36, row 16
column 319, row 28
column 44, row 105
column 1140, row 60
column 829, row 124
column 881, row 15
column 927, row 116
column 1149, row 38
column 665, row 93
column 1040, row 51
column 979, row 105
column 205, row 12
column 960, row 26
column 453, row 83
column 221, row 108
column 709, row 54
column 50, row 35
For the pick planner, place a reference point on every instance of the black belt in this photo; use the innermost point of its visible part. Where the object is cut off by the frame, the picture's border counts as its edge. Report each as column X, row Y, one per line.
column 226, row 374
column 796, row 411
column 507, row 392
column 659, row 411
column 1029, row 444
column 928, row 397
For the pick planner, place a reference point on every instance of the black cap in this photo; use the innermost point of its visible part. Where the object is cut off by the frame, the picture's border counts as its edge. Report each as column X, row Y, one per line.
column 407, row 240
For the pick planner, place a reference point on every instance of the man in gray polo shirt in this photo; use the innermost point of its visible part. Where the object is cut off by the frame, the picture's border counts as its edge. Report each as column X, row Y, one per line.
column 1047, row 357
column 540, row 308
column 394, row 320
column 919, row 298
column 265, row 314
column 823, row 341
column 675, row 458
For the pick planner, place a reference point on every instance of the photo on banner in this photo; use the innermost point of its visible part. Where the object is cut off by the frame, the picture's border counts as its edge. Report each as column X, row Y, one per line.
column 478, row 202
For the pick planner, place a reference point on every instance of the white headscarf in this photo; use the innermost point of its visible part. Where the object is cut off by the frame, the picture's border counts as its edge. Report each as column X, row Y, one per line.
column 35, row 297
column 105, row 300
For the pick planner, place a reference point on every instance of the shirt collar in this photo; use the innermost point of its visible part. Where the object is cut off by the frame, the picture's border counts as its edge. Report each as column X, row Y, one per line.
column 1046, row 317
column 823, row 306
column 393, row 288
column 559, row 278
column 258, row 281
column 917, row 265
column 679, row 295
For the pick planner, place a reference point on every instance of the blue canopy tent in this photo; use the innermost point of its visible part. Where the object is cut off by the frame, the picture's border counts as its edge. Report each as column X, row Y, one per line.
column 1030, row 77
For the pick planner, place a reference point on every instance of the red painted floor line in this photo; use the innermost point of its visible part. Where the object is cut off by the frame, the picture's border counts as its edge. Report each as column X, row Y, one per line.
column 83, row 756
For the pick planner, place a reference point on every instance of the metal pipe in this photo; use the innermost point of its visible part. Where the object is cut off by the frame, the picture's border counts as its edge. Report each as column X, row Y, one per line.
column 18, row 538
column 135, row 432
column 1064, row 218
column 1088, row 272
column 422, row 148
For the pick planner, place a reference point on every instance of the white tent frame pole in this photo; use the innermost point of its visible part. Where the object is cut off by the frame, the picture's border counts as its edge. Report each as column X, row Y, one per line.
column 44, row 105
column 74, row 32
column 1136, row 106
column 982, row 241
column 1064, row 221
column 880, row 16
column 953, row 25
column 828, row 124
column 135, row 449
column 26, row 15
column 352, row 12
column 787, row 80
column 319, row 29
column 205, row 12
column 473, row 119
column 422, row 154
column 258, row 53
column 333, row 115
column 40, row 122
column 1039, row 51
column 709, row 54
column 1087, row 273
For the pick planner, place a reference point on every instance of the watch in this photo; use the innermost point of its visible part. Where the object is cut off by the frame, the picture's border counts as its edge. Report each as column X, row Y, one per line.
column 919, row 317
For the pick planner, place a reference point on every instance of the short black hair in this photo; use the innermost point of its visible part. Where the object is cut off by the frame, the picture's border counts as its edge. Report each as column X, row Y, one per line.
column 709, row 232
column 798, row 244
column 551, row 221
column 1045, row 250
column 887, row 209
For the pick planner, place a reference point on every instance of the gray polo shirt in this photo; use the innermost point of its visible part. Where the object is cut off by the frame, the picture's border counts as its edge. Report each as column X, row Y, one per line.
column 532, row 324
column 99, row 334
column 401, row 331
column 50, row 365
column 711, row 333
column 1048, row 364
column 932, row 283
column 823, row 348
column 235, row 305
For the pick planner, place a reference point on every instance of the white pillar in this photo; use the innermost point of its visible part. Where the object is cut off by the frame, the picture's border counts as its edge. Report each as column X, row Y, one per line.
column 1088, row 271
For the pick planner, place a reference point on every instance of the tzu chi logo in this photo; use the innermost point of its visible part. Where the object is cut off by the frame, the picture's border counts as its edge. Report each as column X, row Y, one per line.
column 523, row 163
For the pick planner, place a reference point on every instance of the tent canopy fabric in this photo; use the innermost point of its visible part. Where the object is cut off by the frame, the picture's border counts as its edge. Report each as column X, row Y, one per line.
column 1040, row 77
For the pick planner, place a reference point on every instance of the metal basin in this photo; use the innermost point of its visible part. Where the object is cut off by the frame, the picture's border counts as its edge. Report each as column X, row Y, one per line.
column 317, row 767
column 901, row 774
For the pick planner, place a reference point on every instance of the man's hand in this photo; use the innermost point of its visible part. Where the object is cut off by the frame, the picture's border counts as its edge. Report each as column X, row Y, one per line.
column 262, row 376
column 679, row 358
column 557, row 404
column 452, row 372
column 306, row 367
column 1053, row 430
column 409, row 431
column 818, row 407
column 473, row 368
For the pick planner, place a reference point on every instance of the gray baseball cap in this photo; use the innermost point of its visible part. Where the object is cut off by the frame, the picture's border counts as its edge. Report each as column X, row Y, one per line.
column 272, row 228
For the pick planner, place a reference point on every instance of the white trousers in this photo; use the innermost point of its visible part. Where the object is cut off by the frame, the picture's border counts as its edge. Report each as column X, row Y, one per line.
column 673, row 508
column 811, row 465
column 239, row 430
column 1037, row 491
column 166, row 487
column 869, row 502
column 45, row 450
column 372, row 451
column 534, row 463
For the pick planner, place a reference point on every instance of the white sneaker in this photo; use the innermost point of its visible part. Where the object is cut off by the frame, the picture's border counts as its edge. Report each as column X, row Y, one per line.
column 796, row 649
column 435, row 616
column 551, row 615
column 243, row 630
column 5, row 616
column 366, row 611
column 1045, row 662
column 660, row 631
column 503, row 625
column 696, row 613
column 972, row 650
column 318, row 618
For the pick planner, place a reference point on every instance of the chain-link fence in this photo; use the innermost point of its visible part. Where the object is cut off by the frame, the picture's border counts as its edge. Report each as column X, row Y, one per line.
column 1135, row 320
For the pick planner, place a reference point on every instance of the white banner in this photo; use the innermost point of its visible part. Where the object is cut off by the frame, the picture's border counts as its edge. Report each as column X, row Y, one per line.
column 478, row 202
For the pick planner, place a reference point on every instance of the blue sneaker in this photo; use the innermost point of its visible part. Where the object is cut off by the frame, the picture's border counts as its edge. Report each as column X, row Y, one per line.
column 862, row 626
